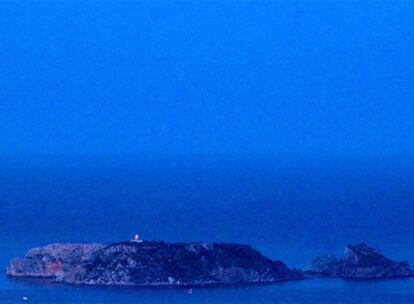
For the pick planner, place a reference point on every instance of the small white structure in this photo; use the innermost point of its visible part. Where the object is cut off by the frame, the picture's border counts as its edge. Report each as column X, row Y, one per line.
column 136, row 238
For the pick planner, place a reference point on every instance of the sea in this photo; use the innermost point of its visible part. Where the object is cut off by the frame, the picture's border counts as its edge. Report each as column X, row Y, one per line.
column 289, row 208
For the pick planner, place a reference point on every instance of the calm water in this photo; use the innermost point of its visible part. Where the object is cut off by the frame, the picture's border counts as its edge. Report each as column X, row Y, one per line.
column 289, row 210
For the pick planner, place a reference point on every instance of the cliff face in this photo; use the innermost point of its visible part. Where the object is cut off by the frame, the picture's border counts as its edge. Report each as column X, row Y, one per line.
column 327, row 265
column 360, row 262
column 151, row 263
column 52, row 261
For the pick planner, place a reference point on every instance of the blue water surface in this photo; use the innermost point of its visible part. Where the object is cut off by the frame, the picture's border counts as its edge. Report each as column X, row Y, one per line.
column 289, row 210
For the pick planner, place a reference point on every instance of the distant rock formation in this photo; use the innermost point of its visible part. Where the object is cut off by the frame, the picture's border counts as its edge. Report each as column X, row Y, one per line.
column 359, row 262
column 326, row 265
column 52, row 261
column 151, row 264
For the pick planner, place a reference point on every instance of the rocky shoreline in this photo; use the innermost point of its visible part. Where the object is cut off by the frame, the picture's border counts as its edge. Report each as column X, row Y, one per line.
column 150, row 263
column 359, row 262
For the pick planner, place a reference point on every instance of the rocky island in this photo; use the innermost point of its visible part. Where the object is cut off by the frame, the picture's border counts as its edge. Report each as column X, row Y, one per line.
column 359, row 262
column 150, row 264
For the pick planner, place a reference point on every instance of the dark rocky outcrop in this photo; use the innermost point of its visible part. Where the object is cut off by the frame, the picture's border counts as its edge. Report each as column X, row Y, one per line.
column 327, row 266
column 151, row 263
column 359, row 262
column 52, row 261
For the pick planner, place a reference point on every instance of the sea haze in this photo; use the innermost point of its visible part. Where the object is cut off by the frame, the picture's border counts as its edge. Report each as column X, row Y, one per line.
column 289, row 210
column 287, row 125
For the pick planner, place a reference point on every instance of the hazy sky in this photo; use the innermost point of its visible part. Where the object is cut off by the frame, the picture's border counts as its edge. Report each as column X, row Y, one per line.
column 166, row 78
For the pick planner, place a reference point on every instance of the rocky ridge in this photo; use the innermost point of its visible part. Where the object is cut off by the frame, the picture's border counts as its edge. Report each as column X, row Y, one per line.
column 150, row 264
column 359, row 262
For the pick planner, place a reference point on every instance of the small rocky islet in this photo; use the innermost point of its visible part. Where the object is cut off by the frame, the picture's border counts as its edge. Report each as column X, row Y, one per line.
column 150, row 263
column 359, row 262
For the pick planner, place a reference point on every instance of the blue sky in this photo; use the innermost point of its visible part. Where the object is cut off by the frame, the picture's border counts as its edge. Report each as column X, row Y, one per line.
column 210, row 78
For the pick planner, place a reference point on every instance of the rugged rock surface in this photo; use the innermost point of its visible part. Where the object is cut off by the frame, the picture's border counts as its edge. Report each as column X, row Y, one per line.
column 326, row 265
column 360, row 262
column 52, row 261
column 151, row 263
